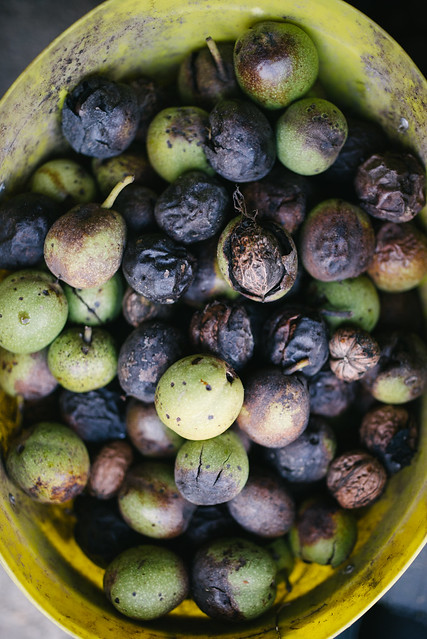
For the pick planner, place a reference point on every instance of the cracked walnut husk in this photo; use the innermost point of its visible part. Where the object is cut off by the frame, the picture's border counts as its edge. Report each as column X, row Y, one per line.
column 353, row 351
column 356, row 479
column 390, row 433
column 259, row 260
column 391, row 186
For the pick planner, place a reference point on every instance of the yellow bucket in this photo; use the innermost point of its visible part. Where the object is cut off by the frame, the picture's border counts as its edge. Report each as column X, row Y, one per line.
column 362, row 68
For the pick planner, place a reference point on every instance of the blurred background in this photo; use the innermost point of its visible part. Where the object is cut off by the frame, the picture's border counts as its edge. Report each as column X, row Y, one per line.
column 26, row 28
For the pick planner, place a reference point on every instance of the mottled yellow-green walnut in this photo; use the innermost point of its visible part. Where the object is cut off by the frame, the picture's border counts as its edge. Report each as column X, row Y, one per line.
column 309, row 135
column 212, row 471
column 49, row 462
column 146, row 582
column 26, row 374
column 64, row 180
column 82, row 360
column 199, row 396
column 175, row 141
column 33, row 311
column 275, row 63
column 84, row 247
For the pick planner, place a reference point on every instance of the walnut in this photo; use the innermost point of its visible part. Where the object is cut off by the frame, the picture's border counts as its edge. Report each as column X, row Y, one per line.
column 353, row 351
column 109, row 468
column 356, row 479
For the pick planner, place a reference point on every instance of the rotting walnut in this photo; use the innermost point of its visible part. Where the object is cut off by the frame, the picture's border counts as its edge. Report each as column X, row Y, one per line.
column 391, row 186
column 353, row 351
column 391, row 433
column 109, row 468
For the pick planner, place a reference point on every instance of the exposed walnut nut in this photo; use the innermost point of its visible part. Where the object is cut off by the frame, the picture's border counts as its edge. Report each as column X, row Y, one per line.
column 390, row 432
column 109, row 468
column 356, row 479
column 353, row 351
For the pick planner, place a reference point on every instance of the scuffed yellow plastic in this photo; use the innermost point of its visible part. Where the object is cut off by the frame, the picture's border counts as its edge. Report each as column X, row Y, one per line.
column 362, row 68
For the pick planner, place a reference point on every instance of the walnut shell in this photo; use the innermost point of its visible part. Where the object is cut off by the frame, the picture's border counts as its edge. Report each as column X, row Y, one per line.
column 353, row 351
column 356, row 479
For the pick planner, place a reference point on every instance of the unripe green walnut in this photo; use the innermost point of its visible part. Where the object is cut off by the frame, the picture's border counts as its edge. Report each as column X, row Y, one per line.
column 33, row 311
column 275, row 63
column 95, row 306
column 64, row 179
column 82, row 361
column 146, row 582
column 354, row 302
column 49, row 462
column 310, row 134
column 199, row 396
column 175, row 142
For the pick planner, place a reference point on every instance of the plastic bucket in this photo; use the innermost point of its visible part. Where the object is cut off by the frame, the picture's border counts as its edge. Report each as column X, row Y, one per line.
column 361, row 67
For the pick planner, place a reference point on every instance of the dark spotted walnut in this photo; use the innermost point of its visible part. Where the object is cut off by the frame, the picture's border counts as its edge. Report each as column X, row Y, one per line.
column 233, row 579
column 206, row 75
column 145, row 355
column 240, row 145
column 24, row 222
column 138, row 309
column 281, row 196
column 307, row 458
column 100, row 117
column 330, row 396
column 337, row 241
column 391, row 434
column 276, row 407
column 356, row 479
column 264, row 507
column 391, row 186
column 223, row 329
column 158, row 268
column 211, row 471
column 296, row 338
column 96, row 416
column 193, row 208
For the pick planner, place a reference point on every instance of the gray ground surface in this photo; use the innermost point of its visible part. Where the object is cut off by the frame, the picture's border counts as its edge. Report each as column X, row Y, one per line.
column 26, row 27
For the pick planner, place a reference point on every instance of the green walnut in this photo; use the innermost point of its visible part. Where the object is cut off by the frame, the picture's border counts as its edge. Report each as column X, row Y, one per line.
column 33, row 311
column 82, row 360
column 199, row 396
column 354, row 302
column 146, row 582
column 95, row 306
column 212, row 471
column 64, row 180
column 175, row 142
column 49, row 462
column 310, row 134
column 275, row 63
column 323, row 533
column 233, row 579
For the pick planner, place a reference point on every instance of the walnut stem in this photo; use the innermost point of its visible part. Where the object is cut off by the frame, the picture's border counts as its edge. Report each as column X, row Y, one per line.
column 87, row 338
column 297, row 366
column 108, row 203
column 222, row 73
